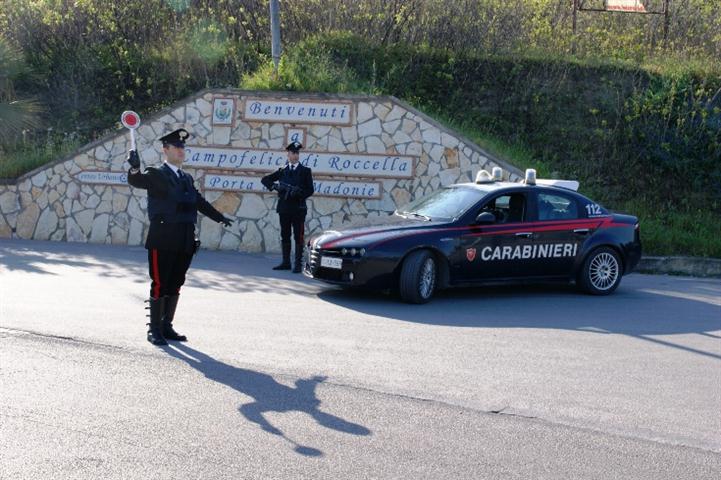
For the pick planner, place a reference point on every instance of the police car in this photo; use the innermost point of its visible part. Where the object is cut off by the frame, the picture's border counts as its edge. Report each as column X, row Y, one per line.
column 489, row 231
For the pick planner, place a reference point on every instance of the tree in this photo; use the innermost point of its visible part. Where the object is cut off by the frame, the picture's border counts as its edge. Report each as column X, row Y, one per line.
column 15, row 114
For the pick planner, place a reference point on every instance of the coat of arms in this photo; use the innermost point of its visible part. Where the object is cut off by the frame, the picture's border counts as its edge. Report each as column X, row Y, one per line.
column 470, row 254
column 223, row 111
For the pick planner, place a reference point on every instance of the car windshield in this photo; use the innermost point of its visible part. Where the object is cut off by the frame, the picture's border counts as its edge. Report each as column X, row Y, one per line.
column 445, row 204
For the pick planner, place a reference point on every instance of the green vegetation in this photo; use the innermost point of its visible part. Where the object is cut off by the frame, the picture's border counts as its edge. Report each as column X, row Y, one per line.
column 637, row 120
column 639, row 141
column 22, row 158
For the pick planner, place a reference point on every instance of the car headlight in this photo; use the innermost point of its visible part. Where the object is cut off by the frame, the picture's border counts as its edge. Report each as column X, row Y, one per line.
column 362, row 252
column 353, row 252
column 344, row 251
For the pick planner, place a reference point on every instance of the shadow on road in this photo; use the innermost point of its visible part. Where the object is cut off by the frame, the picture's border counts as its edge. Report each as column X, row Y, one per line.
column 216, row 270
column 643, row 307
column 635, row 309
column 268, row 395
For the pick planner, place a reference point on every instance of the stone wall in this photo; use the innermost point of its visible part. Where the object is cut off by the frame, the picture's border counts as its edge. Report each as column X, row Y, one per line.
column 52, row 203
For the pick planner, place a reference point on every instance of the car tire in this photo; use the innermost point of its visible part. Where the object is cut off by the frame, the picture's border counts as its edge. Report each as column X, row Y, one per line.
column 601, row 272
column 418, row 277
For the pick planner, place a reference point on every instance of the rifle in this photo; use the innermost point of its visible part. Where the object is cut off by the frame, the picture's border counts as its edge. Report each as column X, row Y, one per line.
column 286, row 190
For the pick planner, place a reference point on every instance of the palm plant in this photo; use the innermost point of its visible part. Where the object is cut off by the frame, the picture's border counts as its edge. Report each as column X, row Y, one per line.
column 15, row 114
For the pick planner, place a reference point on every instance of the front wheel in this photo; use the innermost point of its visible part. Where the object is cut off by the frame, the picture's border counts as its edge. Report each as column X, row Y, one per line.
column 418, row 277
column 601, row 272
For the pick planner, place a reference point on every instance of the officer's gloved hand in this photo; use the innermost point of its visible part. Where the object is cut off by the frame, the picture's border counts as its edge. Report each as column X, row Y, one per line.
column 281, row 188
column 133, row 159
column 295, row 191
column 226, row 221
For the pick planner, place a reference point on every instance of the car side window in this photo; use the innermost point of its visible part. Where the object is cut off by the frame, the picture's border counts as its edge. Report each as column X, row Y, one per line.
column 509, row 208
column 556, row 207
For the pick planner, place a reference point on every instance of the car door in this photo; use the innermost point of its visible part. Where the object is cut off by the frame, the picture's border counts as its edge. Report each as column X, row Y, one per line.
column 495, row 251
column 559, row 232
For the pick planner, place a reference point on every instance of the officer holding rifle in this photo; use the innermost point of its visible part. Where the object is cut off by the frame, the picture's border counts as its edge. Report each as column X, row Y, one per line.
column 294, row 183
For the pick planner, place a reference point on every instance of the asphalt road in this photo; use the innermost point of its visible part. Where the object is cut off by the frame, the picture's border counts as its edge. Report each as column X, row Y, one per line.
column 287, row 378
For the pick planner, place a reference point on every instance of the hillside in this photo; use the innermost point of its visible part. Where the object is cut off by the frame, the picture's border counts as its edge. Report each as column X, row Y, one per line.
column 636, row 120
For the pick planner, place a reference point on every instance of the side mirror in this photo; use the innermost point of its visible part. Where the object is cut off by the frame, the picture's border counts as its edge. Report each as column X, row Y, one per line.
column 485, row 218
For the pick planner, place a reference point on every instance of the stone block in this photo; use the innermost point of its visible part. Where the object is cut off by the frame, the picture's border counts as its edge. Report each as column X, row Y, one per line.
column 221, row 135
column 47, row 224
column 9, row 202
column 451, row 157
column 327, row 206
column 432, row 135
column 252, row 206
column 135, row 235
column 120, row 202
column 99, row 230
column 40, row 179
column 5, row 228
column 391, row 127
column 381, row 110
column 350, row 134
column 371, row 127
column 396, row 113
column 203, row 106
column 375, row 145
column 229, row 241
column 210, row 233
column 27, row 219
column 252, row 238
column 227, row 203
column 365, row 112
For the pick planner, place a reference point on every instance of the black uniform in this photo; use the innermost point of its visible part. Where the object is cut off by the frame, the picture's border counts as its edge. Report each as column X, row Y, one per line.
column 294, row 185
column 173, row 203
column 173, row 206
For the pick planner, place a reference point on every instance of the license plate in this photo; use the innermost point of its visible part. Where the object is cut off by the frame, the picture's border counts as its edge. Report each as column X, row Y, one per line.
column 331, row 262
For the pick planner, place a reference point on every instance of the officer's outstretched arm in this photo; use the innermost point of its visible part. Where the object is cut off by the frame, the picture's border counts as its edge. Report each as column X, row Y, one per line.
column 210, row 211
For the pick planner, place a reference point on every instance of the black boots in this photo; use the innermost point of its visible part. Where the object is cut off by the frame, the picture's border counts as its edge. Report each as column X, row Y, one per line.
column 171, row 302
column 298, row 258
column 155, row 336
column 285, row 264
column 162, row 311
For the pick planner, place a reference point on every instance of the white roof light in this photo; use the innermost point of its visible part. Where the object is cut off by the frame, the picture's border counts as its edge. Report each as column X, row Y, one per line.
column 483, row 177
column 530, row 176
column 569, row 184
column 497, row 174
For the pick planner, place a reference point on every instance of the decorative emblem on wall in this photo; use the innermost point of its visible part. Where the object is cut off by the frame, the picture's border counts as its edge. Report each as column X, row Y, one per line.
column 223, row 111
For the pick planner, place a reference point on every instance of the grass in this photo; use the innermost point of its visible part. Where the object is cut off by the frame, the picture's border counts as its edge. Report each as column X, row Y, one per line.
column 695, row 233
column 22, row 159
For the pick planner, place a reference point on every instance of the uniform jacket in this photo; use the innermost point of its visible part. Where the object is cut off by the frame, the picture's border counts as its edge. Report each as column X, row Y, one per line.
column 173, row 204
column 301, row 177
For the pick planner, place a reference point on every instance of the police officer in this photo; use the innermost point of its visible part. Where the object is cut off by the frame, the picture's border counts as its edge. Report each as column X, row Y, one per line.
column 173, row 206
column 294, row 183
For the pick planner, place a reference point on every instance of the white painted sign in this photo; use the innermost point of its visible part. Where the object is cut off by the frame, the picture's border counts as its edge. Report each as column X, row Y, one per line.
column 322, row 187
column 99, row 177
column 625, row 6
column 284, row 111
column 323, row 163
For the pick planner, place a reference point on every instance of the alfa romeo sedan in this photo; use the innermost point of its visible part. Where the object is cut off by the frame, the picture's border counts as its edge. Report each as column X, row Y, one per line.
column 489, row 231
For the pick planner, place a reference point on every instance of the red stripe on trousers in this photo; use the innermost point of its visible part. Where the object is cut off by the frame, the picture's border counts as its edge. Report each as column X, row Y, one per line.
column 156, row 275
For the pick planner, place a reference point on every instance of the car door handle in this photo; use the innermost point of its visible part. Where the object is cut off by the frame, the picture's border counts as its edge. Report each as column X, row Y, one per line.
column 581, row 231
column 524, row 234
